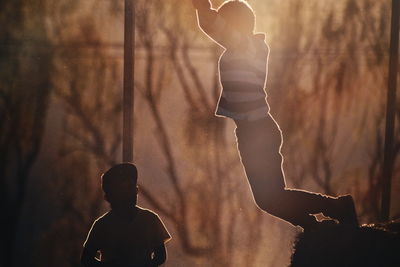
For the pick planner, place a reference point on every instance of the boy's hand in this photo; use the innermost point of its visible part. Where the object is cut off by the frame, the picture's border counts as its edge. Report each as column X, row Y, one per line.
column 201, row 4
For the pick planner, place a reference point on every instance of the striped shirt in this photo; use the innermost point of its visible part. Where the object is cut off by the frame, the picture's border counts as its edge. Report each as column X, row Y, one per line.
column 243, row 74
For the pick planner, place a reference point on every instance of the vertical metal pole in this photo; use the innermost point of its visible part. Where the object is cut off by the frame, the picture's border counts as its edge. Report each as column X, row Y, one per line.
column 390, row 112
column 128, row 95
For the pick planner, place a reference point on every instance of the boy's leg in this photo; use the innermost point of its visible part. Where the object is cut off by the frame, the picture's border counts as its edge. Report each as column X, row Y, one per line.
column 259, row 146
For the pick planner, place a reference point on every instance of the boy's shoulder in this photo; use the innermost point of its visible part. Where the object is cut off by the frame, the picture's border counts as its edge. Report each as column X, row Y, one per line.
column 260, row 39
column 143, row 216
column 146, row 212
column 103, row 219
column 149, row 218
column 153, row 223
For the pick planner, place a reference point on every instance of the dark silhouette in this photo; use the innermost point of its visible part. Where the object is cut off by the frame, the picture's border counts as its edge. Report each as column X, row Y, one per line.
column 334, row 244
column 243, row 72
column 127, row 235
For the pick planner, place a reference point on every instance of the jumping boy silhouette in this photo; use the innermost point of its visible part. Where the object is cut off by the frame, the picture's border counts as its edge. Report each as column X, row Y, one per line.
column 127, row 235
column 243, row 73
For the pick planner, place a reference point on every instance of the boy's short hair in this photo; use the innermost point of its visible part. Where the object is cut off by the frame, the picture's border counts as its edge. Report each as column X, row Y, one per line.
column 239, row 15
column 117, row 173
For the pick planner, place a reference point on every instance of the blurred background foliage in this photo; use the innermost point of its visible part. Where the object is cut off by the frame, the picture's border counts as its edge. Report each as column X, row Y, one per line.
column 60, row 119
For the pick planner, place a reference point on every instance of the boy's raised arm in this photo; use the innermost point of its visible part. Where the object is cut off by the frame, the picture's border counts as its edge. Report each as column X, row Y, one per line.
column 209, row 20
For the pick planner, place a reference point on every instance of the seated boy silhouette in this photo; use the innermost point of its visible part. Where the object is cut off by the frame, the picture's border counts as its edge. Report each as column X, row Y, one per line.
column 127, row 235
column 243, row 73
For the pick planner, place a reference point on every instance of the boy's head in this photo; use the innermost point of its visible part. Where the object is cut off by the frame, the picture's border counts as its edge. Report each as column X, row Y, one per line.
column 239, row 15
column 119, row 184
